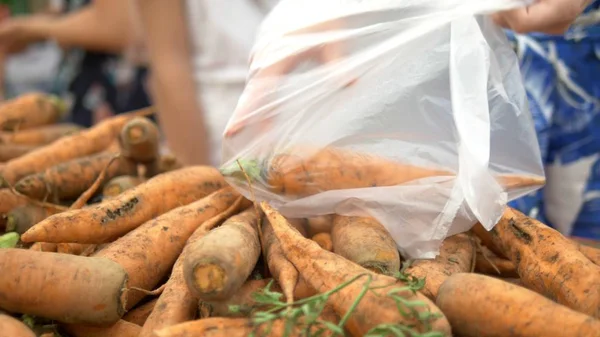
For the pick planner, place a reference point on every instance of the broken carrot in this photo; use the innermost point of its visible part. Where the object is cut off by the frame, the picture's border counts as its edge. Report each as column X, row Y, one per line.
column 139, row 140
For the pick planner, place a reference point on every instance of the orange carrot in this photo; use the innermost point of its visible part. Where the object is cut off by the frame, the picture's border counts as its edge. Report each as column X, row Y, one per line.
column 482, row 306
column 30, row 110
column 115, row 217
column 366, row 242
column 176, row 303
column 490, row 264
column 39, row 136
column 82, row 144
column 325, row 271
column 71, row 248
column 11, row 327
column 21, row 218
column 319, row 224
column 591, row 253
column 219, row 263
column 120, row 329
column 12, row 151
column 70, row 179
column 9, row 200
column 148, row 252
column 456, row 256
column 139, row 140
column 139, row 314
column 120, row 184
column 486, row 239
column 548, row 262
column 324, row 240
column 44, row 247
column 34, row 283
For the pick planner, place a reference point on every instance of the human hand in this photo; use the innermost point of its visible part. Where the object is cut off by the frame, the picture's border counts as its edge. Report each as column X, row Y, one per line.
column 544, row 16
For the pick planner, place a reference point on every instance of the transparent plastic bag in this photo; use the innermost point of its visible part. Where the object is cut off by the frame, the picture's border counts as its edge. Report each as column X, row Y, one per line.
column 412, row 112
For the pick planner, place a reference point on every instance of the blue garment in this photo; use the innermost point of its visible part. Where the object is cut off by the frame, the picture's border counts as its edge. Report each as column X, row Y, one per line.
column 562, row 79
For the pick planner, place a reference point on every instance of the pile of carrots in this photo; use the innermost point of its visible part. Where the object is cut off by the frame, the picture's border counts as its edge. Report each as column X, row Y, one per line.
column 101, row 235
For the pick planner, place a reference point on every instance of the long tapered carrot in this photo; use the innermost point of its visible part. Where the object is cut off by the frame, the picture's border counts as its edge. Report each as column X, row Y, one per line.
column 84, row 143
column 325, row 271
column 365, row 241
column 304, row 171
column 176, row 304
column 30, row 110
column 121, row 328
column 482, row 306
column 456, row 256
column 39, row 136
column 11, row 327
column 69, row 179
column 548, row 262
column 220, row 262
column 148, row 252
column 12, row 151
column 66, row 288
column 115, row 217
column 139, row 314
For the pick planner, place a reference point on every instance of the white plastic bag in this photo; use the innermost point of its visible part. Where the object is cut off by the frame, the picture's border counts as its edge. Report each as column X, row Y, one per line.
column 428, row 85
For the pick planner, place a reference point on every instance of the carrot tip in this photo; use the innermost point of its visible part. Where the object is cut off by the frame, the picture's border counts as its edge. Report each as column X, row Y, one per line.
column 9, row 240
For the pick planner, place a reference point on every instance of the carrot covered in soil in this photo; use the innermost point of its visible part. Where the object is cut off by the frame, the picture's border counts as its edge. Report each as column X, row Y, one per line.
column 456, row 256
column 84, row 143
column 12, row 151
column 482, row 306
column 148, row 252
column 39, row 136
column 139, row 140
column 366, row 242
column 66, row 288
column 548, row 262
column 324, row 240
column 304, row 171
column 326, row 271
column 69, row 179
column 115, row 217
column 218, row 264
column 31, row 110
column 176, row 304
column 488, row 263
column 23, row 217
column 12, row 327
column 139, row 314
column 485, row 237
column 121, row 328
column 120, row 184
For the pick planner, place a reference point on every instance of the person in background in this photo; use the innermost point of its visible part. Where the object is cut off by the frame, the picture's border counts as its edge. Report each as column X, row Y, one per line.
column 558, row 45
column 198, row 52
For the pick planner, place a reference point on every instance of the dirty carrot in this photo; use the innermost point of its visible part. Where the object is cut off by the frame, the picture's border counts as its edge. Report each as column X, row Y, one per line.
column 39, row 136
column 456, row 256
column 482, row 306
column 31, row 110
column 21, row 218
column 9, row 200
column 148, row 252
column 71, row 248
column 488, row 263
column 120, row 184
column 325, row 271
column 243, row 298
column 139, row 140
column 486, row 239
column 93, row 293
column 70, row 179
column 44, row 247
column 548, row 262
column 12, row 151
column 13, row 327
column 591, row 253
column 219, row 263
column 139, row 314
column 115, row 217
column 176, row 304
column 81, row 144
column 121, row 328
column 324, row 240
column 365, row 241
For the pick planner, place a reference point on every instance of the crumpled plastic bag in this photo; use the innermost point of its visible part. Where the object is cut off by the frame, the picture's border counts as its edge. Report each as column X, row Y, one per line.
column 412, row 112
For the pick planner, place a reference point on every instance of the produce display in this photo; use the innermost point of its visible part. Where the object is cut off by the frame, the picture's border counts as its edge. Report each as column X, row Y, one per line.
column 101, row 235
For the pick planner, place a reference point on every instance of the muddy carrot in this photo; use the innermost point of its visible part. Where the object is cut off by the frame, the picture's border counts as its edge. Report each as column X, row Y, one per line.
column 593, row 254
column 324, row 240
column 39, row 136
column 115, row 217
column 488, row 263
column 71, row 248
column 81, row 144
column 9, row 200
column 325, row 271
column 12, row 327
column 34, row 283
column 148, row 252
column 70, row 179
column 365, row 241
column 139, row 140
column 21, row 218
column 548, row 262
column 44, row 247
column 176, row 304
column 31, row 110
column 120, row 184
column 456, row 256
column 486, row 239
column 121, row 328
column 319, row 224
column 12, row 151
column 482, row 306
column 139, row 314
column 218, row 264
